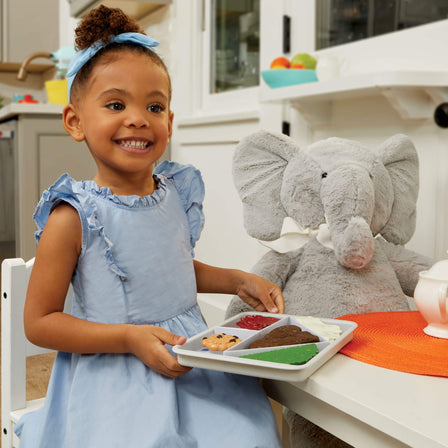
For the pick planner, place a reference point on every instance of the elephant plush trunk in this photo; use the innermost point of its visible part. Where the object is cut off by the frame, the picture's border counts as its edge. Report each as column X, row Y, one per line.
column 348, row 199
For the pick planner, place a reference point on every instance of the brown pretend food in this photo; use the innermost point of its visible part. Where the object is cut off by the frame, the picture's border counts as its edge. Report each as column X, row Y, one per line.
column 285, row 335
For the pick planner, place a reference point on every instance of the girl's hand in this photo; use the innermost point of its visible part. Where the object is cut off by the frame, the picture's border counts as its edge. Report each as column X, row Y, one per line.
column 261, row 294
column 257, row 292
column 147, row 343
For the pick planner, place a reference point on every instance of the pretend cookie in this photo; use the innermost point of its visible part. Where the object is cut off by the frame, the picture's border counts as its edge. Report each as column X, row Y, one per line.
column 285, row 335
column 220, row 342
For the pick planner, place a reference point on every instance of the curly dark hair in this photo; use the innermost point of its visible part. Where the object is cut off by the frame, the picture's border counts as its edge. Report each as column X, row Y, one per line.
column 102, row 24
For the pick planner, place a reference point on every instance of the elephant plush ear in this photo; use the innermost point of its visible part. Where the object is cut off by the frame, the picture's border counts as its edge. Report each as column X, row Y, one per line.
column 258, row 165
column 400, row 158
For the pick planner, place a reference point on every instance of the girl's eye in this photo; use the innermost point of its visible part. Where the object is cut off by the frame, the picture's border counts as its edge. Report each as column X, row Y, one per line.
column 156, row 108
column 115, row 106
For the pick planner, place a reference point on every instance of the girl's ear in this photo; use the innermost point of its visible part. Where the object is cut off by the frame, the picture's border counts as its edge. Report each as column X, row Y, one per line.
column 170, row 124
column 72, row 123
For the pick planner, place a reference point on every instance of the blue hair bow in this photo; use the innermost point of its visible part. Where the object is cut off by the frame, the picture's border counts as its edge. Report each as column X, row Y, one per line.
column 81, row 58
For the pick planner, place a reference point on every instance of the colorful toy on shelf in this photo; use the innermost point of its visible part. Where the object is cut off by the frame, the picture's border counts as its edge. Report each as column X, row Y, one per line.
column 284, row 72
column 304, row 60
column 300, row 61
column 28, row 99
column 280, row 63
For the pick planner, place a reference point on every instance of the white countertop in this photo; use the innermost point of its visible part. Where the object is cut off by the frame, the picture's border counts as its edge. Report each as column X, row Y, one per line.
column 15, row 109
column 404, row 409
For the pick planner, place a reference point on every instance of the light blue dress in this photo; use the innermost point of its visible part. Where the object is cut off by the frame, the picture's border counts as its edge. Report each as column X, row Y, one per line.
column 136, row 267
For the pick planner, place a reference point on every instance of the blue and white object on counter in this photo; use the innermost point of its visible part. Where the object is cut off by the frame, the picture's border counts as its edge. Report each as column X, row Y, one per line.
column 288, row 77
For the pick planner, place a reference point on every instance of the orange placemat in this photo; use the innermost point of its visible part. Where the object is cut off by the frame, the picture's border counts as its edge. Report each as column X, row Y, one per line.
column 395, row 340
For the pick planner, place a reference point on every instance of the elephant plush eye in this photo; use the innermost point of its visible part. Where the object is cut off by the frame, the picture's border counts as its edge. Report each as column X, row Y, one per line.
column 324, row 175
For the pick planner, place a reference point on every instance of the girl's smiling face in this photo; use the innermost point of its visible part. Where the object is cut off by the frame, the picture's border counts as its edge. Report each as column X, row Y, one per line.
column 124, row 116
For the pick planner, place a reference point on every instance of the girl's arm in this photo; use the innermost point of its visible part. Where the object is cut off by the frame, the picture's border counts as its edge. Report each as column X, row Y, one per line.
column 260, row 294
column 48, row 326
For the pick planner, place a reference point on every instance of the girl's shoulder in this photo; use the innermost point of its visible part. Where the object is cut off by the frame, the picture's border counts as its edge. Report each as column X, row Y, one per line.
column 65, row 227
column 64, row 191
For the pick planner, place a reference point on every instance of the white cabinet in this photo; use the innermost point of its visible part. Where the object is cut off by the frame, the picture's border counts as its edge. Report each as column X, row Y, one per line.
column 134, row 8
column 370, row 108
column 388, row 91
column 28, row 27
column 384, row 90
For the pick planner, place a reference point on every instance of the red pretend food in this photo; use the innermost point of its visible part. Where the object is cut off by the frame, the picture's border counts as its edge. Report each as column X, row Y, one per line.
column 256, row 322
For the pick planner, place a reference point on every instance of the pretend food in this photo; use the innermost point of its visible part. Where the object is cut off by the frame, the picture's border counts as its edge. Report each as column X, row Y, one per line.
column 220, row 342
column 329, row 332
column 291, row 355
column 293, row 362
column 284, row 335
column 256, row 322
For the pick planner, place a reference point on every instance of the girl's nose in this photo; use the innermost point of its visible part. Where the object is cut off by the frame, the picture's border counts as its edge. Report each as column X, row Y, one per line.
column 137, row 119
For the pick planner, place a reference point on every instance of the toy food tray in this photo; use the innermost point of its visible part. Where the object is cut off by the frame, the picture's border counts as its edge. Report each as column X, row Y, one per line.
column 193, row 354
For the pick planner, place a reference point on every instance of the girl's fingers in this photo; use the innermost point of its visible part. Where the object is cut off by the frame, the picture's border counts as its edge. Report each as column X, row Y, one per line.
column 167, row 364
column 279, row 301
column 169, row 338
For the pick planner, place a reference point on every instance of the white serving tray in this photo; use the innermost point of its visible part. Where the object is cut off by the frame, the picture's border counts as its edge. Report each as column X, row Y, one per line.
column 191, row 353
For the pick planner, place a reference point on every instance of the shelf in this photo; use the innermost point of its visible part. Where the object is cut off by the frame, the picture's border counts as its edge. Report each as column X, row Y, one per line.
column 15, row 109
column 208, row 119
column 413, row 94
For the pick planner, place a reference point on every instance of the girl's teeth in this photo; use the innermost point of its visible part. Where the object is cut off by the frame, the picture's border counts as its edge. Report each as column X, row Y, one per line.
column 134, row 144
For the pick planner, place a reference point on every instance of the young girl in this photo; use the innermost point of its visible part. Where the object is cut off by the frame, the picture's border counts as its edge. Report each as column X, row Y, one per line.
column 125, row 241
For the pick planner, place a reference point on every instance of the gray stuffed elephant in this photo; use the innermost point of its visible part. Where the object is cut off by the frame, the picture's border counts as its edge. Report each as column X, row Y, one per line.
column 358, row 208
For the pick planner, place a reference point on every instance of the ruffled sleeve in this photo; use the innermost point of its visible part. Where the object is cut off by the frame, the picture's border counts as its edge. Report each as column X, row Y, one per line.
column 189, row 184
column 63, row 190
